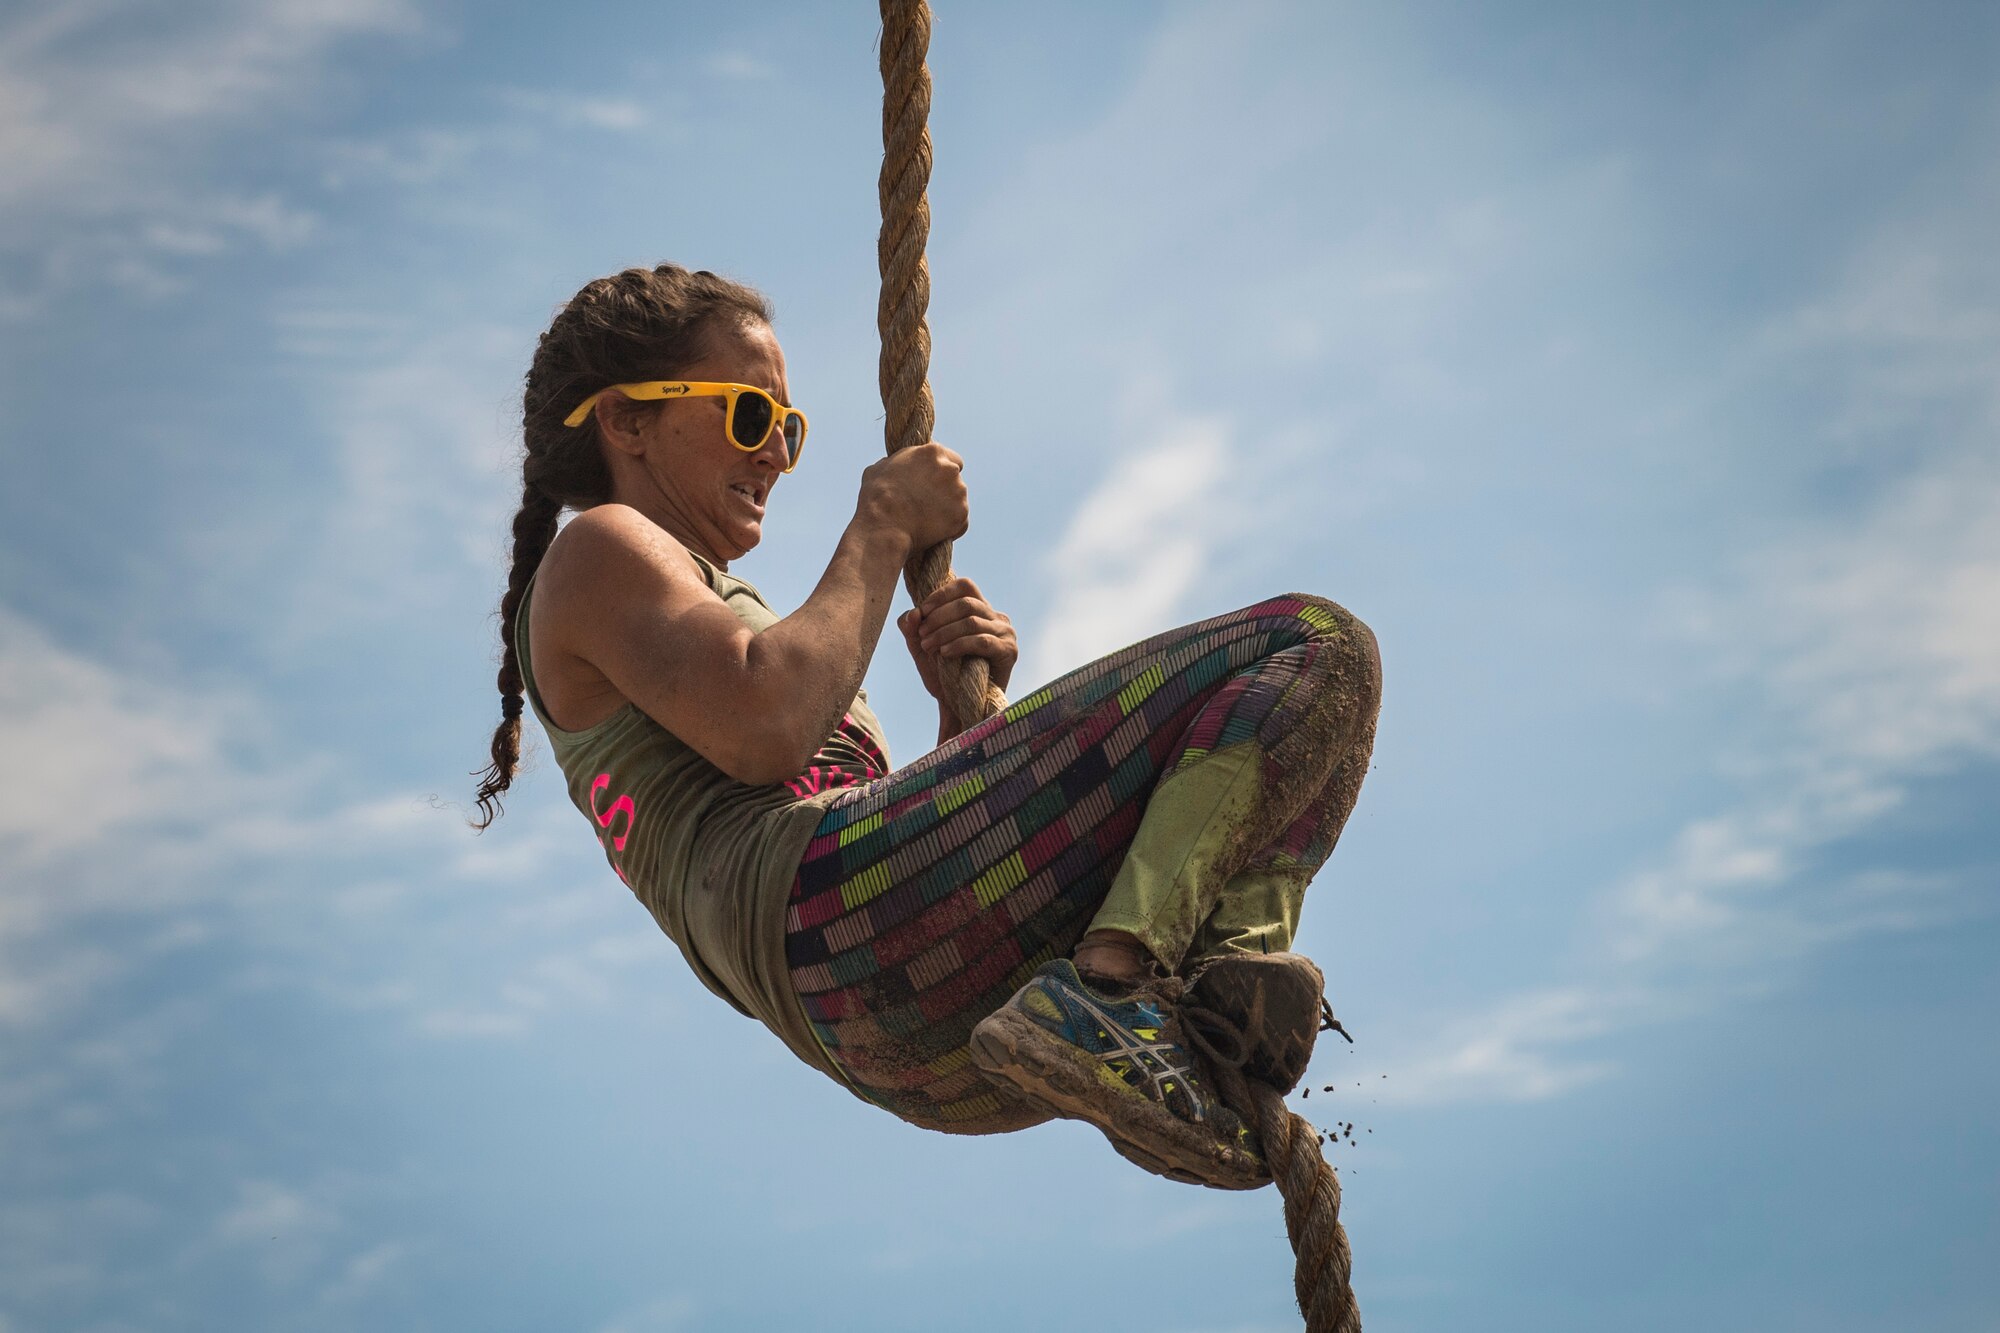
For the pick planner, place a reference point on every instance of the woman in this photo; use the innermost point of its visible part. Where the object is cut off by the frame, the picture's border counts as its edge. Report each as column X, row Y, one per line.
column 996, row 933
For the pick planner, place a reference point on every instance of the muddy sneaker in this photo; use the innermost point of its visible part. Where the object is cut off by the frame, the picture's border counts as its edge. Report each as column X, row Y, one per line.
column 1111, row 1061
column 1272, row 1009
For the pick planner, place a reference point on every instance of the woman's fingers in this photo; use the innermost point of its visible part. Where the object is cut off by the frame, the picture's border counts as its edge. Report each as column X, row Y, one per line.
column 956, row 621
column 939, row 635
column 926, row 659
column 940, row 613
column 957, row 588
column 988, row 646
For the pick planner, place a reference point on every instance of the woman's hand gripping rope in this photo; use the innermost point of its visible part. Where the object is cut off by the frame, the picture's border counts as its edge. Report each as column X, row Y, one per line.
column 958, row 621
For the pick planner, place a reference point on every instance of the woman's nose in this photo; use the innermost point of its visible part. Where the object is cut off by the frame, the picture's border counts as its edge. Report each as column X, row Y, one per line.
column 773, row 450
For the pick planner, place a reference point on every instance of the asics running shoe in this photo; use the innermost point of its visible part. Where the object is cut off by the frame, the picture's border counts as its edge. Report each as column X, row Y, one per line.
column 1113, row 1061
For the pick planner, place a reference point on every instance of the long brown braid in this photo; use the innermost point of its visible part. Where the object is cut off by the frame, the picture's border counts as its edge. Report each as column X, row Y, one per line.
column 641, row 324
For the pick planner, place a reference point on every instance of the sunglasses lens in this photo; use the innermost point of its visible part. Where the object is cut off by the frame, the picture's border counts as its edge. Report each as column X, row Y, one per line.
column 795, row 438
column 752, row 420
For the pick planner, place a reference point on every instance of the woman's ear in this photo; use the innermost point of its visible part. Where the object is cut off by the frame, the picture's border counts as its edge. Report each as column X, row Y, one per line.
column 621, row 422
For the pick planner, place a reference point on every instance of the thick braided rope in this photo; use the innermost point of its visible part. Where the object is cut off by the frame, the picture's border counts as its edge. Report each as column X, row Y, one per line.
column 1310, row 1188
column 1323, row 1272
column 906, row 296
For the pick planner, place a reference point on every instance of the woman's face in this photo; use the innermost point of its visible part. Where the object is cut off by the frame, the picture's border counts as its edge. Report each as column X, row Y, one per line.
column 689, row 478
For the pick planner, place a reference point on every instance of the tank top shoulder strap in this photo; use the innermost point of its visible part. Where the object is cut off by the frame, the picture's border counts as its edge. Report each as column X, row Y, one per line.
column 720, row 581
column 525, row 658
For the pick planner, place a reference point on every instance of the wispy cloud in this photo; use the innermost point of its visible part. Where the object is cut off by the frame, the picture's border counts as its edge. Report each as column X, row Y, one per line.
column 299, row 1236
column 212, row 229
column 1138, row 543
column 363, row 1272
column 588, row 975
column 103, row 750
column 119, row 773
column 1875, row 638
column 1881, row 650
column 1522, row 1050
column 404, row 157
column 738, row 65
column 129, row 777
column 573, row 109
column 92, row 96
column 107, row 128
column 657, row 1316
column 423, row 427
column 267, row 1211
column 1869, row 645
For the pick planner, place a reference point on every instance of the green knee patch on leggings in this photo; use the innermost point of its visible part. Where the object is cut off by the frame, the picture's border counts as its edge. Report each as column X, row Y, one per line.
column 1187, row 845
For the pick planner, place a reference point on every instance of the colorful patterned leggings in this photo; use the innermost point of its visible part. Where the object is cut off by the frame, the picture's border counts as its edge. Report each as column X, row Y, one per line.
column 1163, row 790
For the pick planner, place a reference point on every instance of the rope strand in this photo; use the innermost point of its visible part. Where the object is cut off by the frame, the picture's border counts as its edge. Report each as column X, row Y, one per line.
column 1323, row 1272
column 906, row 297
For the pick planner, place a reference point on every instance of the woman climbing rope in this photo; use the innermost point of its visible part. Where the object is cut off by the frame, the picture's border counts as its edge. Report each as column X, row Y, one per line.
column 1049, row 914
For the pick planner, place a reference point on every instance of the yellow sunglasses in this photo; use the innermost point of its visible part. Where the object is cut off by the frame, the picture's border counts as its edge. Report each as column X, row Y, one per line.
column 752, row 413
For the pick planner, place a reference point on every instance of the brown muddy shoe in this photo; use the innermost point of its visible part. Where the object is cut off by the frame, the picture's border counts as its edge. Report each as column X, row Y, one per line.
column 1272, row 1006
column 1113, row 1062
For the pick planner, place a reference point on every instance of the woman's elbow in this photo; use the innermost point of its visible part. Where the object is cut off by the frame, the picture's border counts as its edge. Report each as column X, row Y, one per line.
column 766, row 759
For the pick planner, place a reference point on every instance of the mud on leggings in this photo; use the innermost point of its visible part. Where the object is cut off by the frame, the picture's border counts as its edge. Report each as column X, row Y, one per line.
column 1184, row 789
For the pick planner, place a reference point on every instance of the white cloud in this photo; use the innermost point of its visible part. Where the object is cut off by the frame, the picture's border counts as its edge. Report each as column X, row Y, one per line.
column 124, row 780
column 367, row 1270
column 407, row 157
column 299, row 1237
column 98, row 751
column 591, row 974
column 1870, row 644
column 108, row 120
column 657, row 1316
column 568, row 109
column 35, row 982
column 1880, row 650
column 266, row 1211
column 151, row 266
column 1889, row 638
column 1876, row 637
column 123, row 777
column 427, row 437
column 40, row 1260
column 1518, row 1052
column 737, row 65
column 1137, row 544
column 112, row 753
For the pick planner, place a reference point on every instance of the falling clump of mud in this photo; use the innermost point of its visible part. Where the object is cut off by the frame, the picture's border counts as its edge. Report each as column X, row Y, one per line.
column 1341, row 1131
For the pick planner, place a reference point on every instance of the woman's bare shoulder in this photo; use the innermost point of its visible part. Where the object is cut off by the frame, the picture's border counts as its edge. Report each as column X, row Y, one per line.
column 614, row 552
column 616, row 532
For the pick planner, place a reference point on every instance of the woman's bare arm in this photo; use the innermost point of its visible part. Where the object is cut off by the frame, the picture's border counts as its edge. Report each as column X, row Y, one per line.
column 619, row 597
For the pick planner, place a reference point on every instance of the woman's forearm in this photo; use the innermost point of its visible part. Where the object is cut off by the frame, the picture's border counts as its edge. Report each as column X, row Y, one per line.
column 808, row 667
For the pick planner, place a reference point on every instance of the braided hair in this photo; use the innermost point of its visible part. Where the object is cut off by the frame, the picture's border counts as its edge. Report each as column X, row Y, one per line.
column 637, row 325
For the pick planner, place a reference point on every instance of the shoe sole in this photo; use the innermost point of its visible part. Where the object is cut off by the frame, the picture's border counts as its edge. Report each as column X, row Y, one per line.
column 1274, row 1000
column 1018, row 1051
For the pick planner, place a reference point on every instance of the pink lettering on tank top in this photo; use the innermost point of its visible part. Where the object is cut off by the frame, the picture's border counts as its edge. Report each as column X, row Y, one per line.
column 611, row 841
column 828, row 772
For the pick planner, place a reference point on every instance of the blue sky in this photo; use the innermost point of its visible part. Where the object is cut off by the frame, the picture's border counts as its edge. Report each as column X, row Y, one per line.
column 1634, row 371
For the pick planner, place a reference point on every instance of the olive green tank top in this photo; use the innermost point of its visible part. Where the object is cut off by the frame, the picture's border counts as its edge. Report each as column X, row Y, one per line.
column 711, row 858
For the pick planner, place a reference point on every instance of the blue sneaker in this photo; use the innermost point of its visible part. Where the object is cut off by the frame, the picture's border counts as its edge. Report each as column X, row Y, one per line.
column 1111, row 1061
